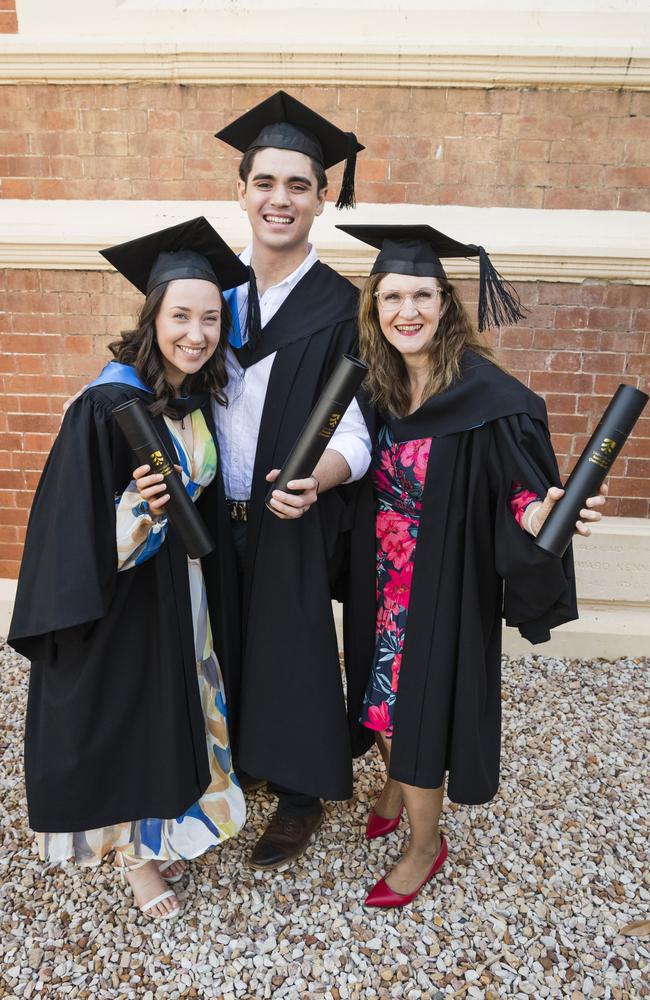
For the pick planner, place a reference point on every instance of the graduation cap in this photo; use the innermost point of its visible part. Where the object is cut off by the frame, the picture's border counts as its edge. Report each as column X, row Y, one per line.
column 189, row 250
column 282, row 122
column 417, row 250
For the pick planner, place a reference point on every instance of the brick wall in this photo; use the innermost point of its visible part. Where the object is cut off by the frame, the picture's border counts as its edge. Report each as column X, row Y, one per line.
column 8, row 17
column 524, row 148
column 577, row 344
column 519, row 148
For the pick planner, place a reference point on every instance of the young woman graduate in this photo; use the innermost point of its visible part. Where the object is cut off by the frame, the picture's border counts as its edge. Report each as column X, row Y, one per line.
column 461, row 462
column 126, row 745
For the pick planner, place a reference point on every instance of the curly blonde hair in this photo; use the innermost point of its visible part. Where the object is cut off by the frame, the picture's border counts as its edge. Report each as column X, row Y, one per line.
column 387, row 381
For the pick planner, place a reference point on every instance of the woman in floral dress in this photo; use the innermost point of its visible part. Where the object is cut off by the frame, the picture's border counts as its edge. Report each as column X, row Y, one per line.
column 127, row 747
column 463, row 475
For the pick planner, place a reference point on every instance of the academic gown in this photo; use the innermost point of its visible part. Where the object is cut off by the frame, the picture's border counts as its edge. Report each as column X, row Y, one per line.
column 291, row 725
column 473, row 566
column 113, row 655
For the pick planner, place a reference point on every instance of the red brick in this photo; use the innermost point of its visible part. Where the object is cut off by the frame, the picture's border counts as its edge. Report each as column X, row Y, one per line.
column 632, row 296
column 38, row 443
column 633, row 507
column 636, row 446
column 166, row 168
column 635, row 127
column 522, row 360
column 122, row 120
column 630, row 177
column 16, row 188
column 603, row 362
column 633, row 201
column 532, row 149
column 22, row 280
column 8, row 22
column 581, row 198
column 566, row 423
column 610, row 319
column 592, row 127
column 26, row 166
column 585, row 175
column 561, row 382
column 561, row 402
column 564, row 361
column 638, row 467
column 637, row 152
column 585, row 294
column 610, row 383
column 638, row 364
column 571, row 318
column 482, row 124
column 544, row 127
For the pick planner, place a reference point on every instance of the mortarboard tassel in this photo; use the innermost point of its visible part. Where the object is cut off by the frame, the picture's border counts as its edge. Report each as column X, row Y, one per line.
column 346, row 198
column 253, row 315
column 498, row 301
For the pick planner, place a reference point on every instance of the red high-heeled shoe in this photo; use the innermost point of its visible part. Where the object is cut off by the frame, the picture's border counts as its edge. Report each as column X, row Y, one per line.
column 383, row 896
column 380, row 826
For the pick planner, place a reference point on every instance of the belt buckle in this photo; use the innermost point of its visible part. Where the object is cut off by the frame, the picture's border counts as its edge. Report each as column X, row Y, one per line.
column 238, row 510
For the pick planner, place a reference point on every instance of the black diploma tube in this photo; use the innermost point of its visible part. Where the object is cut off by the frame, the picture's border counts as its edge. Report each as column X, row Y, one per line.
column 591, row 468
column 139, row 430
column 338, row 393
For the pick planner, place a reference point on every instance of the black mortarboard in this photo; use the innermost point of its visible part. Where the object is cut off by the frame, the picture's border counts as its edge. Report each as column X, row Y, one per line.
column 189, row 250
column 417, row 250
column 282, row 122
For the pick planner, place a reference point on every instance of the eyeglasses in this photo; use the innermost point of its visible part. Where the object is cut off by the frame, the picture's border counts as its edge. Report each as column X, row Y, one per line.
column 423, row 299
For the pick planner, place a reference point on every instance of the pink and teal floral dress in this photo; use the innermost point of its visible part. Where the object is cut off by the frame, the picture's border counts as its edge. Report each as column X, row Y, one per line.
column 398, row 472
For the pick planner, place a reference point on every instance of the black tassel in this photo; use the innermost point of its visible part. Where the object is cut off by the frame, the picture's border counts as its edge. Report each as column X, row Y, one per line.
column 346, row 198
column 253, row 315
column 498, row 301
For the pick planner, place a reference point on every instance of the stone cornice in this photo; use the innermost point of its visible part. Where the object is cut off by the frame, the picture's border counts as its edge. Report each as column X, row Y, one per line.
column 96, row 62
column 525, row 244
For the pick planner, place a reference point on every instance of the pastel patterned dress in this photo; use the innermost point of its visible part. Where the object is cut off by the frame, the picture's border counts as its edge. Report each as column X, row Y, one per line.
column 220, row 812
column 398, row 471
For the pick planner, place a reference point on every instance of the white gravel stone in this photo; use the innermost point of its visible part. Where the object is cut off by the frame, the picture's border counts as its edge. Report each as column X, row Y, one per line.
column 538, row 884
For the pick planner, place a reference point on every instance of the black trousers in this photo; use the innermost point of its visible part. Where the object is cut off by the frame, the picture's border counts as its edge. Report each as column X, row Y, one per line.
column 289, row 803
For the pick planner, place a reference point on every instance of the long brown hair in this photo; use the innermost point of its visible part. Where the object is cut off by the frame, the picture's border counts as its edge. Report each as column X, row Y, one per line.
column 387, row 381
column 139, row 348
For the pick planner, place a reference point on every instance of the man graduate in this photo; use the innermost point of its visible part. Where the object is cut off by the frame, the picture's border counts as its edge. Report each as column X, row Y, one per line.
column 290, row 726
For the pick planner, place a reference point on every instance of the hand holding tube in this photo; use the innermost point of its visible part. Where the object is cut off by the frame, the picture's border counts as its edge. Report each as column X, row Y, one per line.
column 338, row 393
column 591, row 468
column 140, row 432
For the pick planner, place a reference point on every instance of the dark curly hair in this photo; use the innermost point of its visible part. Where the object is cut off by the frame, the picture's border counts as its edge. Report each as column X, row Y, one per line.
column 139, row 348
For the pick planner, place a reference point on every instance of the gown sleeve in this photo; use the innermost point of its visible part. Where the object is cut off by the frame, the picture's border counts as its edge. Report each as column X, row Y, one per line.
column 69, row 568
column 539, row 588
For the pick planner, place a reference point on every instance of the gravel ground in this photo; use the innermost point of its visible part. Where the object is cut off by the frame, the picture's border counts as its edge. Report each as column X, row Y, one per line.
column 531, row 903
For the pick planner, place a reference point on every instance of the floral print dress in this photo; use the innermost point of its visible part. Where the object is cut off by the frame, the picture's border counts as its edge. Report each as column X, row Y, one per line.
column 398, row 471
column 220, row 812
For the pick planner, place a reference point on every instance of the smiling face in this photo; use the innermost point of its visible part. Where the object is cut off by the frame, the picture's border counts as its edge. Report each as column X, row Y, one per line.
column 188, row 327
column 281, row 199
column 409, row 310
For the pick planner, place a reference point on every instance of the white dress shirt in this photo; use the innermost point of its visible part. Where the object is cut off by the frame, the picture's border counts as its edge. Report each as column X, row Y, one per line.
column 238, row 424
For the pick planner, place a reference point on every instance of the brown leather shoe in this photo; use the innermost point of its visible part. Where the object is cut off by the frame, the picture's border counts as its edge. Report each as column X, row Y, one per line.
column 284, row 840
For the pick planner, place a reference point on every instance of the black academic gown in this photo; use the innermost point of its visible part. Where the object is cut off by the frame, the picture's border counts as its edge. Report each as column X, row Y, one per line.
column 114, row 730
column 292, row 726
column 473, row 566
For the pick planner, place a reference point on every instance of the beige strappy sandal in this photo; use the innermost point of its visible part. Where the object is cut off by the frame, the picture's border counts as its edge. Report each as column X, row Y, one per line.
column 172, row 879
column 123, row 865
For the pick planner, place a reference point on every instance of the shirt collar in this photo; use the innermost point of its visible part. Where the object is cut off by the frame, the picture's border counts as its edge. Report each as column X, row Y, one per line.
column 292, row 279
